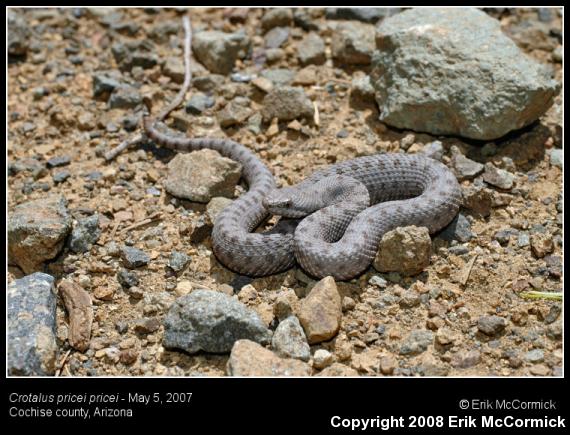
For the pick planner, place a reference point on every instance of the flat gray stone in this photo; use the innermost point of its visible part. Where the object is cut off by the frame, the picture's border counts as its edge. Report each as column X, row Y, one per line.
column 133, row 257
column 31, row 326
column 469, row 79
column 210, row 321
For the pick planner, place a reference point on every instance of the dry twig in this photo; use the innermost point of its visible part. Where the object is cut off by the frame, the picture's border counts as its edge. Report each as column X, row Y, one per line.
column 140, row 137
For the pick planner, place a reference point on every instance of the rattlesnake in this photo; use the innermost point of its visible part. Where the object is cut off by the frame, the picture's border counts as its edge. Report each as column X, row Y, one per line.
column 372, row 195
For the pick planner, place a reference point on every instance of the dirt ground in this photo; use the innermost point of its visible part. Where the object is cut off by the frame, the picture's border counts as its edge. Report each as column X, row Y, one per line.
column 52, row 112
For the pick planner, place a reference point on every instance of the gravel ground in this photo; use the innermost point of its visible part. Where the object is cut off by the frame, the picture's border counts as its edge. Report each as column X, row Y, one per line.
column 127, row 248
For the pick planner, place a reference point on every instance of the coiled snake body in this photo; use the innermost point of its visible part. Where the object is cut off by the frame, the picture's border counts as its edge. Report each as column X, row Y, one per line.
column 350, row 206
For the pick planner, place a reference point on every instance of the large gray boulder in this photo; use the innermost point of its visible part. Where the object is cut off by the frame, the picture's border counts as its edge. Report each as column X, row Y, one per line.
column 453, row 71
column 31, row 326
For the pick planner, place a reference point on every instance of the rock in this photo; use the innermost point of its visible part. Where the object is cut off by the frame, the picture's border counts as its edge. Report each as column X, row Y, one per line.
column 557, row 158
column 201, row 175
column 241, row 78
column 478, row 200
column 247, row 294
column 80, row 311
column 133, row 257
column 31, row 339
column 458, row 88
column 36, row 168
column 491, row 325
column 378, row 281
column 174, row 68
column 276, row 37
column 387, row 365
column 285, row 304
column 201, row 229
column 466, row 359
column 433, row 150
column 125, row 97
column 147, row 325
column 311, row 50
column 218, row 51
column 322, row 359
column 459, row 229
column 198, row 103
column 286, row 103
column 178, row 261
column 409, row 299
column 134, row 54
column 539, row 370
column 303, row 18
column 361, row 87
column 36, row 232
column 464, row 168
column 85, row 234
column 431, row 366
column 276, row 17
column 337, row 370
column 368, row 15
column 105, row 82
column 58, row 161
column 277, row 76
column 161, row 32
column 262, row 83
column 498, row 177
column 235, row 113
column 127, row 279
column 321, row 311
column 404, row 250
column 534, row 356
column 60, row 177
column 18, row 34
column 210, row 321
column 215, row 206
column 353, row 43
column 209, row 83
column 541, row 244
column 289, row 340
column 504, row 236
column 128, row 356
column 523, row 240
column 250, row 359
column 417, row 342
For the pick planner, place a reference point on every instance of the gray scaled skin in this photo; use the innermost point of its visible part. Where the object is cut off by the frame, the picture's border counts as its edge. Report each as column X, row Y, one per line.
column 347, row 208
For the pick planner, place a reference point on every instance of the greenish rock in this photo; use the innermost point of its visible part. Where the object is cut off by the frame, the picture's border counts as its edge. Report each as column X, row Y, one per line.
column 452, row 71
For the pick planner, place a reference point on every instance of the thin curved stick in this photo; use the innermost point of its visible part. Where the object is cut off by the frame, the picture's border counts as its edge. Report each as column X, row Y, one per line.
column 139, row 137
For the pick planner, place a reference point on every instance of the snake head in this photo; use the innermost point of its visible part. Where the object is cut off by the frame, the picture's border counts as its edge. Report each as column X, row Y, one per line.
column 279, row 202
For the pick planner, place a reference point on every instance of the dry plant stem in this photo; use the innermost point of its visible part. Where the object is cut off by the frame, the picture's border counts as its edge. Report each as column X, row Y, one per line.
column 187, row 73
column 139, row 137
